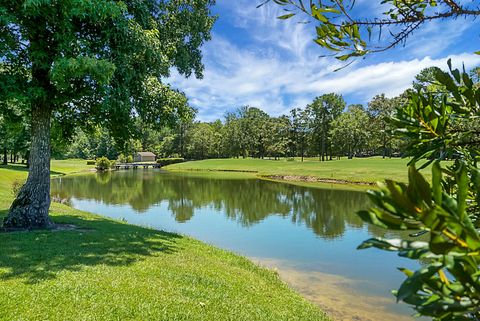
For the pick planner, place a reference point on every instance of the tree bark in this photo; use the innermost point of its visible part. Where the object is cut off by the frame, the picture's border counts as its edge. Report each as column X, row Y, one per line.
column 5, row 158
column 30, row 209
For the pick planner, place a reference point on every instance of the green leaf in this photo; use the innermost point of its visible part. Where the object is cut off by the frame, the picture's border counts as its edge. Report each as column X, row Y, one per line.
column 437, row 182
column 287, row 16
column 462, row 191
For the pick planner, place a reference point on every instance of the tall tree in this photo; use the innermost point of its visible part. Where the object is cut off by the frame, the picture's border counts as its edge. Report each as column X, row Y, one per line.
column 278, row 136
column 349, row 132
column 87, row 61
column 426, row 78
column 298, row 125
column 323, row 111
column 232, row 138
column 381, row 110
column 201, row 141
column 13, row 129
column 254, row 124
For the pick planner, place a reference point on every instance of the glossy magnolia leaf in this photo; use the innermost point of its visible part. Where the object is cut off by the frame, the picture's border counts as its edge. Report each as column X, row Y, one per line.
column 418, row 187
column 462, row 190
column 416, row 282
column 393, row 244
column 437, row 182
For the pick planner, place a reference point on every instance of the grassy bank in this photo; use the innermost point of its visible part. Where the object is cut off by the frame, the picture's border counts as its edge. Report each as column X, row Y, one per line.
column 369, row 170
column 108, row 270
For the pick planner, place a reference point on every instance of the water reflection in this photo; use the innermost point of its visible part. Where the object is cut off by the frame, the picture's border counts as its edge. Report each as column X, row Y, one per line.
column 268, row 221
column 327, row 212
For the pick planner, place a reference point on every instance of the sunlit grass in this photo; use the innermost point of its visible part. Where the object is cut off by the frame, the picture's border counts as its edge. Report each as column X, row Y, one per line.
column 109, row 270
column 354, row 170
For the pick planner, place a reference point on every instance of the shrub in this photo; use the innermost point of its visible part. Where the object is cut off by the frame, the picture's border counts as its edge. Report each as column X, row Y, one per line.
column 91, row 162
column 103, row 164
column 169, row 161
column 129, row 159
column 17, row 186
column 122, row 158
column 439, row 126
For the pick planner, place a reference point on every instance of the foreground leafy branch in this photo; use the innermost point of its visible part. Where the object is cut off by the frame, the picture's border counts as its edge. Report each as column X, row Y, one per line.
column 439, row 127
column 345, row 31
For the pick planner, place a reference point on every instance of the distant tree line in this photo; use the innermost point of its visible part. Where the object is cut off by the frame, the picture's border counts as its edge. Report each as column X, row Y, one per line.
column 326, row 128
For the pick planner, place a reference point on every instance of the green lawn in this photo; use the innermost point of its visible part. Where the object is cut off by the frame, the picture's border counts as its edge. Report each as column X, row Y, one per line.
column 354, row 170
column 109, row 270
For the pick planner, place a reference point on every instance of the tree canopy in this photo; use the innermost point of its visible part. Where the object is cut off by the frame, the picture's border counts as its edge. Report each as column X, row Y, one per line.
column 87, row 62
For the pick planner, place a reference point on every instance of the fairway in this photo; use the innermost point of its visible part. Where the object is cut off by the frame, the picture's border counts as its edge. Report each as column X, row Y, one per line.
column 368, row 170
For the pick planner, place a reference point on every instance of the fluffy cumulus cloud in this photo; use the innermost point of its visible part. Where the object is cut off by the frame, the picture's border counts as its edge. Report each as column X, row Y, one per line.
column 257, row 60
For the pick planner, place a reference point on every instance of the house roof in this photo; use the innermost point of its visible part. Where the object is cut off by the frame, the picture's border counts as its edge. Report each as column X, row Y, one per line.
column 146, row 154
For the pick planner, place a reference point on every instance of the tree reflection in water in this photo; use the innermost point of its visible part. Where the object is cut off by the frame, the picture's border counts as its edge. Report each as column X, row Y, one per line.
column 327, row 212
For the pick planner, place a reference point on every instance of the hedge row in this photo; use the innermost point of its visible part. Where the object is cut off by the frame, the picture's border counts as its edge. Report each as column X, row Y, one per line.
column 169, row 161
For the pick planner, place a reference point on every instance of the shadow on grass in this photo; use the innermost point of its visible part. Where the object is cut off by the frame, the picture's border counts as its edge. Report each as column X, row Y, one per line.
column 23, row 168
column 40, row 255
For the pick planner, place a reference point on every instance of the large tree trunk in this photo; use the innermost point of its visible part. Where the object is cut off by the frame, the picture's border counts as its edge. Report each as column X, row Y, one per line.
column 30, row 209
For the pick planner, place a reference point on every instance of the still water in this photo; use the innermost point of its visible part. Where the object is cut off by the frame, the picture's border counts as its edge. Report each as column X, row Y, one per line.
column 308, row 234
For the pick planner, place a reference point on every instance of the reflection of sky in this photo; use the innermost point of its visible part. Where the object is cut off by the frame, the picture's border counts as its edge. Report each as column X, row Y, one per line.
column 275, row 238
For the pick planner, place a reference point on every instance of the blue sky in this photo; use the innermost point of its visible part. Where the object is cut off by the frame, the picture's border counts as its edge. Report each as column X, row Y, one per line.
column 255, row 59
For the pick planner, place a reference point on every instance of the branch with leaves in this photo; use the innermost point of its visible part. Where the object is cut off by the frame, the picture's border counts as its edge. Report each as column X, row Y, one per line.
column 447, row 286
column 340, row 28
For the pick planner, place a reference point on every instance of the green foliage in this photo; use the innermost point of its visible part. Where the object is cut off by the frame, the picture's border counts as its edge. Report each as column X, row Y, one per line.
column 200, row 141
column 322, row 112
column 348, row 133
column 169, row 161
column 104, row 60
column 125, row 159
column 103, row 164
column 250, row 132
column 121, row 158
column 439, row 127
column 91, row 162
column 381, row 109
column 14, row 129
column 83, row 63
column 92, row 144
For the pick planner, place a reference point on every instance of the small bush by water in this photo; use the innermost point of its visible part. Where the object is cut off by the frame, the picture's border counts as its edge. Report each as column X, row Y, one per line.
column 104, row 164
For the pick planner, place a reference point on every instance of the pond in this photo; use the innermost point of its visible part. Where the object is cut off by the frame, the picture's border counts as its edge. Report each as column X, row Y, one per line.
column 308, row 234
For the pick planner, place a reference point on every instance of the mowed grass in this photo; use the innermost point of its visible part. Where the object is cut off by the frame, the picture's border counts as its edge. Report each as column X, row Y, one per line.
column 109, row 270
column 353, row 170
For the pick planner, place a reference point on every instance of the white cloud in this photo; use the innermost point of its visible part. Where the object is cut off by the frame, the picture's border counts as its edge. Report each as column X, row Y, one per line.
column 277, row 68
column 391, row 78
